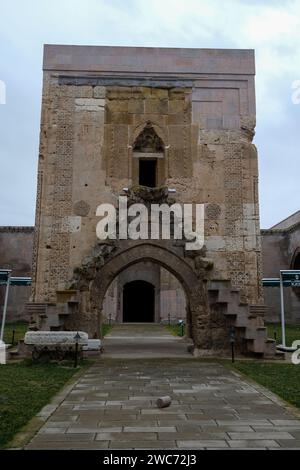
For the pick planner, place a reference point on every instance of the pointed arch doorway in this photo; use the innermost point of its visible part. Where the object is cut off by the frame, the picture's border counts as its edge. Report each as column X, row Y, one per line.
column 138, row 302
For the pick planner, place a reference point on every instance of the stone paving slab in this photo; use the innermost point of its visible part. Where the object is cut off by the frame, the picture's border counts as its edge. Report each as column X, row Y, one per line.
column 135, row 340
column 254, row 444
column 203, row 415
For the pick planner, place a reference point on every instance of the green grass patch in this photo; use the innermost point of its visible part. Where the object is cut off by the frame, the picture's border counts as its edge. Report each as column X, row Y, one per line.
column 292, row 333
column 282, row 379
column 25, row 388
column 176, row 329
column 20, row 329
column 106, row 328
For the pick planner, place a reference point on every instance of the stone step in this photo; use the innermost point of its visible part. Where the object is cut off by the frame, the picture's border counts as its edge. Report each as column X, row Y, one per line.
column 13, row 353
column 257, row 310
column 256, row 346
column 35, row 307
column 222, row 294
column 242, row 316
column 256, row 333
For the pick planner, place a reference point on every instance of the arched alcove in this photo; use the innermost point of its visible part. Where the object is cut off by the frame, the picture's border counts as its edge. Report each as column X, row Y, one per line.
column 148, row 162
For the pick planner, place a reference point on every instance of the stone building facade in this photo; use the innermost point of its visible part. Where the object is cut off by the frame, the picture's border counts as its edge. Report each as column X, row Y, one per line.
column 16, row 245
column 281, row 250
column 149, row 120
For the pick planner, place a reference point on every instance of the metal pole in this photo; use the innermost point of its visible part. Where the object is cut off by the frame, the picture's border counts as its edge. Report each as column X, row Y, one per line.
column 5, row 308
column 282, row 311
column 76, row 354
column 232, row 352
column 232, row 341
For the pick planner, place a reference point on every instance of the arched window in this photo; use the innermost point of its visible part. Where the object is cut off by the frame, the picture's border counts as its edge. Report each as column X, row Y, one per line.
column 148, row 158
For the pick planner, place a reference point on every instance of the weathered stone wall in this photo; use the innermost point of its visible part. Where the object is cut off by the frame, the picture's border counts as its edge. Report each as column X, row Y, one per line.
column 16, row 254
column 71, row 183
column 95, row 103
column 172, row 298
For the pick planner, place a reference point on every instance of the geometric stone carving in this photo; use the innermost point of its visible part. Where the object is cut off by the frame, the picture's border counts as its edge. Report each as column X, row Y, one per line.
column 148, row 141
column 81, row 208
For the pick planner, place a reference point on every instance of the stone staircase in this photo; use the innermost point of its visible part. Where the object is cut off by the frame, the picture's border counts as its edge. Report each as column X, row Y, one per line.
column 246, row 320
column 36, row 311
column 227, row 310
column 50, row 317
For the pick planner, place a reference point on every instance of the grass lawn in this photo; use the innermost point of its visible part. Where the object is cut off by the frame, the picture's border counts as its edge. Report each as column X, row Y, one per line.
column 25, row 388
column 282, row 379
column 106, row 328
column 176, row 330
column 291, row 332
column 20, row 330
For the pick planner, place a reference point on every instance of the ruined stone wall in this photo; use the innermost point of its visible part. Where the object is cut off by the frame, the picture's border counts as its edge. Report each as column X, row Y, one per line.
column 96, row 101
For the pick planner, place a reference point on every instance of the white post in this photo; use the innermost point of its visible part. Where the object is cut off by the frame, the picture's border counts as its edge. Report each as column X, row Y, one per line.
column 5, row 307
column 282, row 311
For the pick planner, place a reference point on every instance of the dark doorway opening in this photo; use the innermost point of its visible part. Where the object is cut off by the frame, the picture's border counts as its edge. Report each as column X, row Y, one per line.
column 296, row 265
column 138, row 302
column 147, row 173
column 296, row 262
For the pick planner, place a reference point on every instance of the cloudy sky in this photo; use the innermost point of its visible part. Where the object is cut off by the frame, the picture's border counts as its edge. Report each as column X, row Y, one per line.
column 270, row 27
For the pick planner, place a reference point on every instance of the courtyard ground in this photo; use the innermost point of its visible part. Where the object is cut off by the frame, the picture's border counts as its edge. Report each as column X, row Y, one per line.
column 24, row 389
column 281, row 378
column 112, row 405
column 136, row 340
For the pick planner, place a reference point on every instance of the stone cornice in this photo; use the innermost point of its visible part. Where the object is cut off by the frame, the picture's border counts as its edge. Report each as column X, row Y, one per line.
column 274, row 231
column 156, row 60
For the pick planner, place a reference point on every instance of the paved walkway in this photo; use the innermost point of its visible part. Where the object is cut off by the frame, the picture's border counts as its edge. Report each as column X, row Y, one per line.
column 113, row 406
column 136, row 340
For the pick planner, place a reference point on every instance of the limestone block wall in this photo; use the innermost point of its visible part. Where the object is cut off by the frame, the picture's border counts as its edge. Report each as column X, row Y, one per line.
column 172, row 298
column 97, row 100
column 71, row 183
column 111, row 302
